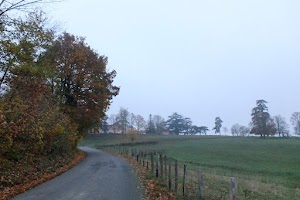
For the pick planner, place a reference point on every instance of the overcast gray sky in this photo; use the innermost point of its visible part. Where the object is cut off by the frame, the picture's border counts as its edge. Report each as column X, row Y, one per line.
column 200, row 58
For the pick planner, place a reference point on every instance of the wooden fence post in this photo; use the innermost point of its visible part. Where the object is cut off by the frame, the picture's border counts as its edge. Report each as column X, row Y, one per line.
column 156, row 166
column 170, row 176
column 233, row 188
column 147, row 167
column 184, row 181
column 161, row 165
column 152, row 163
column 201, row 184
column 176, row 176
column 140, row 155
column 165, row 162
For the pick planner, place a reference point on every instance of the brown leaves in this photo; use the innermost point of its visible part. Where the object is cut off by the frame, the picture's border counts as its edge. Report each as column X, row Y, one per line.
column 152, row 186
column 82, row 82
column 23, row 176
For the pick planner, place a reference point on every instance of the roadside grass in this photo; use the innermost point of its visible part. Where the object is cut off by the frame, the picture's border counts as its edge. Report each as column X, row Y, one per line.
column 265, row 168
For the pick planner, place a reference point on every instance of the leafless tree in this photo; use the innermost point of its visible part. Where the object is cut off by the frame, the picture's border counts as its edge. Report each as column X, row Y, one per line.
column 159, row 124
column 140, row 123
column 295, row 120
column 281, row 125
column 225, row 129
column 244, row 130
column 239, row 130
column 7, row 6
column 235, row 129
column 113, row 121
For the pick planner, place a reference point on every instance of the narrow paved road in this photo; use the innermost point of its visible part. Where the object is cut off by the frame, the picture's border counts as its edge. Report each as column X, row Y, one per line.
column 99, row 176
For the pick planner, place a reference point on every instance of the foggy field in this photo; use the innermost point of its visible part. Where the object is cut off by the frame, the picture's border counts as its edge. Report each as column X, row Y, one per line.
column 265, row 168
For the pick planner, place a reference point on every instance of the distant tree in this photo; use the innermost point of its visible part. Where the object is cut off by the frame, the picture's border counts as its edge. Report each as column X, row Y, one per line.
column 203, row 129
column 295, row 120
column 113, row 119
column 239, row 130
column 198, row 129
column 104, row 125
column 132, row 121
column 150, row 126
column 140, row 123
column 187, row 125
column 262, row 123
column 281, row 125
column 176, row 123
column 159, row 124
column 194, row 130
column 235, row 129
column 123, row 119
column 243, row 130
column 225, row 129
column 218, row 125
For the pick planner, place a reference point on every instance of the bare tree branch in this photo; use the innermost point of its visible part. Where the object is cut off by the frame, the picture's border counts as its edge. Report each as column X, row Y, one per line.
column 2, row 3
column 6, row 6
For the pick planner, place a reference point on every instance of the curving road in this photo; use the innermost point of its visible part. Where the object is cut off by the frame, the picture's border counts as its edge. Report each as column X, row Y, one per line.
column 100, row 176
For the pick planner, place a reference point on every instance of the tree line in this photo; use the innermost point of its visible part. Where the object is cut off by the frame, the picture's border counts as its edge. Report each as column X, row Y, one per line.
column 262, row 124
column 53, row 87
column 124, row 121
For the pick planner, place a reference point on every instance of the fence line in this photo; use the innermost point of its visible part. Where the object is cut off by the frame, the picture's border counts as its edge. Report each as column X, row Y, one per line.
column 160, row 166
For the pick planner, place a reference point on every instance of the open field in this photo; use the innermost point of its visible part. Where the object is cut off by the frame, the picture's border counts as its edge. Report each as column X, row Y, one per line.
column 265, row 168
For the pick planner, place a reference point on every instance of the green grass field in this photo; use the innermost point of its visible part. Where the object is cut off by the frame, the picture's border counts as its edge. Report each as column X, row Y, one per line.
column 265, row 168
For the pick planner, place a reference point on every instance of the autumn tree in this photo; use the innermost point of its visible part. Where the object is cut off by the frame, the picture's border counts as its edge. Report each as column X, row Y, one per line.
column 33, row 123
column 21, row 46
column 80, row 79
column 295, row 120
column 218, row 125
column 281, row 125
column 50, row 89
column 262, row 123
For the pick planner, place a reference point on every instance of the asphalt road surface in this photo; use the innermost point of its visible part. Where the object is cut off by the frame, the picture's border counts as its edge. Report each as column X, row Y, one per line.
column 99, row 176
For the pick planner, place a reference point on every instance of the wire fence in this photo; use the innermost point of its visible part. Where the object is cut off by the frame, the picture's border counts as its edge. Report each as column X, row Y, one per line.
column 177, row 177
